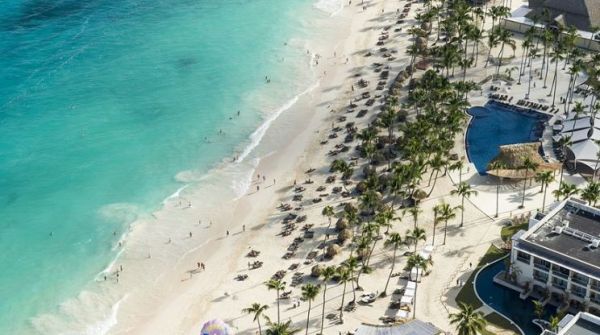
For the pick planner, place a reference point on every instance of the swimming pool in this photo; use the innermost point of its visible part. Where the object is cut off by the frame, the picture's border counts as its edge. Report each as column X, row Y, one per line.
column 494, row 125
column 507, row 301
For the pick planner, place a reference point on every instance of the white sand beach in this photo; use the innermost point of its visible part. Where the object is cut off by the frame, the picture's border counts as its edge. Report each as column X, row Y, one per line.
column 163, row 288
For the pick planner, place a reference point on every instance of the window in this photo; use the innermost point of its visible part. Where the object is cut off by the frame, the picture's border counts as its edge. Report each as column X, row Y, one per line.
column 540, row 276
column 541, row 264
column 595, row 297
column 579, row 279
column 578, row 291
column 523, row 257
column 559, row 283
column 595, row 285
column 558, row 270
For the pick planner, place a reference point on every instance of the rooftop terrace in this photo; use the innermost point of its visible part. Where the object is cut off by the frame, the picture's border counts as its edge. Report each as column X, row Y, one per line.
column 569, row 234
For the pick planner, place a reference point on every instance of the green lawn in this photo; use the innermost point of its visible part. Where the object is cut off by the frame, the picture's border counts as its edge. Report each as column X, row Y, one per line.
column 508, row 231
column 467, row 293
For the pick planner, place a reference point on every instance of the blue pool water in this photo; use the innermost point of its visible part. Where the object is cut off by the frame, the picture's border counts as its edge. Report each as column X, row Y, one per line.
column 103, row 103
column 494, row 125
column 507, row 301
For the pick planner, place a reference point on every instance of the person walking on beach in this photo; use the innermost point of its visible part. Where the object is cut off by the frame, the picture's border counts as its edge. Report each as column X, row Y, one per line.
column 228, row 233
column 257, row 188
column 202, row 266
column 243, row 227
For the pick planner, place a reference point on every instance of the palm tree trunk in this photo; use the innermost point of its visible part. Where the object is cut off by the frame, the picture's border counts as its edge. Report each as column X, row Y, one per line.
column 524, row 186
column 434, row 181
column 353, row 287
column 259, row 327
column 323, row 310
column 555, row 84
column 343, row 296
column 371, row 252
column 521, row 67
column 415, row 297
column 308, row 315
column 391, row 271
column 462, row 211
column 278, row 320
column 445, row 231
column 544, row 200
column 497, row 196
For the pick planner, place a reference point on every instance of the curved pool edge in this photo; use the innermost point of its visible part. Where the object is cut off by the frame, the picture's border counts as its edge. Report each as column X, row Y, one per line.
column 483, row 302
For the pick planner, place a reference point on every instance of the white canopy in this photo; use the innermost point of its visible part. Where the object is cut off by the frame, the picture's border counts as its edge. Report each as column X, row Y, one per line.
column 411, row 285
column 409, row 292
column 406, row 300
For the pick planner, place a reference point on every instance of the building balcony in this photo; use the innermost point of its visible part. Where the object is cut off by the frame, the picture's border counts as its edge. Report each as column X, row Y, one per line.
column 560, row 274
column 543, row 267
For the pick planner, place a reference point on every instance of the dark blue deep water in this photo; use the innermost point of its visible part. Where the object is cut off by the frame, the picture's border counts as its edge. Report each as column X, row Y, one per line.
column 494, row 125
column 507, row 301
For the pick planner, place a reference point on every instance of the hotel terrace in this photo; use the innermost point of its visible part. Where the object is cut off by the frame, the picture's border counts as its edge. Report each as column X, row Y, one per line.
column 558, row 259
column 580, row 324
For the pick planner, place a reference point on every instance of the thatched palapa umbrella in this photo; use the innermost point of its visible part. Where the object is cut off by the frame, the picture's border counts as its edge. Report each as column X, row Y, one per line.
column 512, row 157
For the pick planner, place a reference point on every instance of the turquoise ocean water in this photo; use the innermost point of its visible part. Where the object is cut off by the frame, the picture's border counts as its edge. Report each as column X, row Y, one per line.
column 102, row 103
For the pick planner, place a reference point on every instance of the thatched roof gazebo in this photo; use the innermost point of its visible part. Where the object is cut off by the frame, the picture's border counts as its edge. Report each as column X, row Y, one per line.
column 512, row 157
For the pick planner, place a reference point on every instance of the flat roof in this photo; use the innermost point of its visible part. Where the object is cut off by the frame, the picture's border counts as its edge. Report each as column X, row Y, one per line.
column 580, row 324
column 584, row 327
column 565, row 236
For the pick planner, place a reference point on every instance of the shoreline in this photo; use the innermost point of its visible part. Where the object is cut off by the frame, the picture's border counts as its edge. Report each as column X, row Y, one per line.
column 285, row 163
column 132, row 238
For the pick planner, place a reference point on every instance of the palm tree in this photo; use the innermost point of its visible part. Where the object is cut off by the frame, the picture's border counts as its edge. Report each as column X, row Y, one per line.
column 497, row 165
column 565, row 190
column 413, row 236
column 545, row 178
column 504, row 38
column 417, row 262
column 352, row 265
column 309, row 292
column 436, row 164
column 256, row 309
column 344, row 277
column 563, row 142
column 458, row 165
column 277, row 285
column 414, row 212
column 554, row 323
column 394, row 241
column 528, row 165
column 329, row 212
column 468, row 322
column 463, row 190
column 446, row 213
column 327, row 273
column 538, row 309
column 284, row 328
column 591, row 193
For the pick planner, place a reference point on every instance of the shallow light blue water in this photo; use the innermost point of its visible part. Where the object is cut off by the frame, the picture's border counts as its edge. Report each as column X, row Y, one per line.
column 101, row 104
column 494, row 125
column 507, row 301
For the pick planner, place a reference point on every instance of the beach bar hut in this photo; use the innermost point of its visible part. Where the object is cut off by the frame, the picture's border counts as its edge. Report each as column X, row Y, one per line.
column 413, row 327
column 512, row 157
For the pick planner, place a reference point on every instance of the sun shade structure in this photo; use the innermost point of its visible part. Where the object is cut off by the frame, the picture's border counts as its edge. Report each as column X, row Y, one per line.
column 413, row 327
column 584, row 133
column 582, row 14
column 513, row 156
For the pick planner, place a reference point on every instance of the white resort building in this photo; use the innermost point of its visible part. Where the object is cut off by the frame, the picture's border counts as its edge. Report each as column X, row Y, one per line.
column 557, row 260
column 580, row 324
